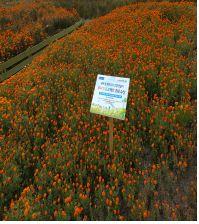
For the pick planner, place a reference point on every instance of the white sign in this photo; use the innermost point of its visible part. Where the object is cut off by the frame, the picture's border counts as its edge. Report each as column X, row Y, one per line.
column 110, row 96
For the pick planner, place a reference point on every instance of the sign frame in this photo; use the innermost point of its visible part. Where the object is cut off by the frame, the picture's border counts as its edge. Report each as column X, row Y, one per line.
column 118, row 91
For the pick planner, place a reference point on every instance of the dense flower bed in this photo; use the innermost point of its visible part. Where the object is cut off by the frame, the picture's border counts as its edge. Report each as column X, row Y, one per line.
column 26, row 23
column 55, row 162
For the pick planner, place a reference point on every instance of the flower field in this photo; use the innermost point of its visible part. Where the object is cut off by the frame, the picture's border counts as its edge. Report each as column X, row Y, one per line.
column 25, row 24
column 55, row 162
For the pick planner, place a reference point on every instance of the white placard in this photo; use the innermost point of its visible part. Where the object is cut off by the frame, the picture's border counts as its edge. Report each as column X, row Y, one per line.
column 110, row 96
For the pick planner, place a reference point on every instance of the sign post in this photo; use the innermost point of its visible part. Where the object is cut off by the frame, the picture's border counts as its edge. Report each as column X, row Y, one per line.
column 111, row 134
column 110, row 99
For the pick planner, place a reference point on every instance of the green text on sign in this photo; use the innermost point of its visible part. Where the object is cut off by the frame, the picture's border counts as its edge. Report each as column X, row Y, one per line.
column 110, row 96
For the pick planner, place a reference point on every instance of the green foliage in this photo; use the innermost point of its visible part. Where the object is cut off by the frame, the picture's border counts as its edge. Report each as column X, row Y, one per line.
column 93, row 8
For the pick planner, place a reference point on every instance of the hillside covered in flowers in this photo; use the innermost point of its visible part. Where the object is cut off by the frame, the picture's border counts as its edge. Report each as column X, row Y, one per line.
column 55, row 162
column 26, row 23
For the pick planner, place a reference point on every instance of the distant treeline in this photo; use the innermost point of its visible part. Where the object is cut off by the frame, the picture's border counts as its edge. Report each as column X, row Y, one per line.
column 95, row 8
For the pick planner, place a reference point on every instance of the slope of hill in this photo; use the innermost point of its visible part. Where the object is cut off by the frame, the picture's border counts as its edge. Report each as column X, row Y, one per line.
column 26, row 23
column 54, row 159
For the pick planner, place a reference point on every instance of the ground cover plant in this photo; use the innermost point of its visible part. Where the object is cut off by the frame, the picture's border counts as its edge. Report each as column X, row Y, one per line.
column 26, row 23
column 55, row 162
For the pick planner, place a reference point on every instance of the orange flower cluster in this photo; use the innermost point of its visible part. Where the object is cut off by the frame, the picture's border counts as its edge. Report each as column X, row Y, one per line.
column 77, row 211
column 25, row 24
column 54, row 155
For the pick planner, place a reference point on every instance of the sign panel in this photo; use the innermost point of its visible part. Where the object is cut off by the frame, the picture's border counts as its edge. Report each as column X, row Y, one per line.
column 110, row 96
